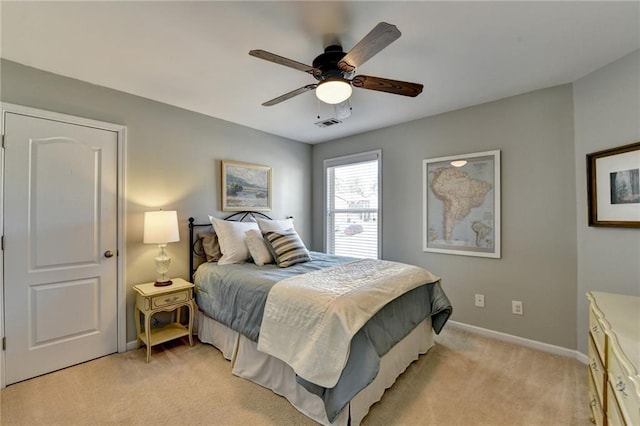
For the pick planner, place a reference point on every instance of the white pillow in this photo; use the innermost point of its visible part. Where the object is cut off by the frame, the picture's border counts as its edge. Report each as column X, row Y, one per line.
column 257, row 247
column 232, row 238
column 267, row 225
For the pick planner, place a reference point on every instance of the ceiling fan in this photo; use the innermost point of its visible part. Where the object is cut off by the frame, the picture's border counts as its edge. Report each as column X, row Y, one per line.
column 335, row 69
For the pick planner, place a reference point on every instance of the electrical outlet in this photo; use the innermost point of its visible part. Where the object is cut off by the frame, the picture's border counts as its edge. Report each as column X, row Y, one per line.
column 516, row 307
column 480, row 300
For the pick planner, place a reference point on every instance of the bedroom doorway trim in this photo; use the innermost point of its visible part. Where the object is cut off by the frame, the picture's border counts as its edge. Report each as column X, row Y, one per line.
column 121, row 132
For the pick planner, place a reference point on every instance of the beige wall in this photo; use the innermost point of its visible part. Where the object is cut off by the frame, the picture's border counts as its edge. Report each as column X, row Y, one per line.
column 607, row 114
column 534, row 132
column 173, row 161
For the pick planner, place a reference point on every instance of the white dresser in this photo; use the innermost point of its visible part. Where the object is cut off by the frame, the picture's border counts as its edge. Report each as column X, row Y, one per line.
column 614, row 359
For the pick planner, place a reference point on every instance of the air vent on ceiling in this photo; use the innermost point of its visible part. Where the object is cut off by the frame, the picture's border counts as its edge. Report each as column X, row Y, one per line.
column 328, row 122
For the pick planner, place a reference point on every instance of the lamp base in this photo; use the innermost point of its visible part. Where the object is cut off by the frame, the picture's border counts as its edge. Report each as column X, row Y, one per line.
column 162, row 283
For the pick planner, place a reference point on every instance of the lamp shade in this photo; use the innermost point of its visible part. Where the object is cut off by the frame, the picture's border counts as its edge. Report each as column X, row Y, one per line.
column 161, row 227
column 334, row 91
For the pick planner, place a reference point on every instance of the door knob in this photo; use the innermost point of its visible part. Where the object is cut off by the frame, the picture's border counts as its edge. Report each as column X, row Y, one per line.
column 108, row 253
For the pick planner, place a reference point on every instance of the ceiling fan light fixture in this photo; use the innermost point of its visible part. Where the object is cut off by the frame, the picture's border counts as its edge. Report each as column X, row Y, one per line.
column 334, row 91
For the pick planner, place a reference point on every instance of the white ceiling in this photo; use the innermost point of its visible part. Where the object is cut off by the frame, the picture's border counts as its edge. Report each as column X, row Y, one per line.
column 195, row 54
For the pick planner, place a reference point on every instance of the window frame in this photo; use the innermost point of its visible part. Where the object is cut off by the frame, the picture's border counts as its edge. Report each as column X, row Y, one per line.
column 345, row 160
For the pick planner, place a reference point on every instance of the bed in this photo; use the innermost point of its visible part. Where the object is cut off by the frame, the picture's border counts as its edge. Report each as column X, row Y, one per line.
column 328, row 333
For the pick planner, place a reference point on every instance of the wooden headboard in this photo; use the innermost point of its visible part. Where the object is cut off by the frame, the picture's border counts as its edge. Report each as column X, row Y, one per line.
column 196, row 252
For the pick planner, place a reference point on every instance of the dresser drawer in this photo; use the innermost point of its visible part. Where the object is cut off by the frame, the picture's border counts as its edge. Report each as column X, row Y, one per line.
column 597, row 332
column 614, row 417
column 170, row 299
column 595, row 403
column 614, row 334
column 597, row 372
column 622, row 389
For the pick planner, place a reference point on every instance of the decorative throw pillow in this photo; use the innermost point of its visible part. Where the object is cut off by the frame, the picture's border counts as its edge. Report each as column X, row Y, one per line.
column 287, row 247
column 274, row 225
column 210, row 245
column 257, row 248
column 232, row 238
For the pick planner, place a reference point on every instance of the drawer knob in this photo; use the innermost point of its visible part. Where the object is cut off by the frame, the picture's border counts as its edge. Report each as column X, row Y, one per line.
column 172, row 299
column 622, row 387
column 594, row 365
column 595, row 328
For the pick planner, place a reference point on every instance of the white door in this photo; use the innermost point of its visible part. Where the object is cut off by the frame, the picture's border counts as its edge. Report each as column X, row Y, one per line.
column 60, row 243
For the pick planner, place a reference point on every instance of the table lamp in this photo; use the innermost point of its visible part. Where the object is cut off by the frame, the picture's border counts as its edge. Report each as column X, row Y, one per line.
column 161, row 227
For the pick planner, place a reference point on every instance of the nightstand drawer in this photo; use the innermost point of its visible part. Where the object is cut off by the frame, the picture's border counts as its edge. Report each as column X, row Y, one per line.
column 170, row 299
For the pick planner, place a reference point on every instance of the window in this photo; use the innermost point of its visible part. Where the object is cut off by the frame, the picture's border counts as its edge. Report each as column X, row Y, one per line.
column 352, row 196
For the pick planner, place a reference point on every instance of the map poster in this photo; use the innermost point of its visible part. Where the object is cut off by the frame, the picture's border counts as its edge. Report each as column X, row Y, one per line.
column 461, row 204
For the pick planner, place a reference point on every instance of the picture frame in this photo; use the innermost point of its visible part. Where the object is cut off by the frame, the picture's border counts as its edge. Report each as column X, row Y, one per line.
column 461, row 204
column 613, row 187
column 245, row 187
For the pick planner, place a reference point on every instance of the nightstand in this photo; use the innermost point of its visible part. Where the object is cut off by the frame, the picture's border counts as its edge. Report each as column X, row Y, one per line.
column 151, row 299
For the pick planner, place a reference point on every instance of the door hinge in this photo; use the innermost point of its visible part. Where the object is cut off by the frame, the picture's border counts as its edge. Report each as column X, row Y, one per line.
column 2, row 136
column 4, row 343
column 2, row 243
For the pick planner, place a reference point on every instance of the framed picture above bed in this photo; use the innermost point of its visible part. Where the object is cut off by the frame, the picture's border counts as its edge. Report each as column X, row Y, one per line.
column 613, row 187
column 245, row 187
column 461, row 204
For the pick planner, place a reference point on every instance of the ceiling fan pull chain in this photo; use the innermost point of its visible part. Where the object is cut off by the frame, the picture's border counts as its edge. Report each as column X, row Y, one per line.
column 318, row 107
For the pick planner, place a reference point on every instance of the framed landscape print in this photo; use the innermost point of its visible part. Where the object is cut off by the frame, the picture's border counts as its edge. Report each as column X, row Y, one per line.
column 461, row 204
column 245, row 187
column 613, row 187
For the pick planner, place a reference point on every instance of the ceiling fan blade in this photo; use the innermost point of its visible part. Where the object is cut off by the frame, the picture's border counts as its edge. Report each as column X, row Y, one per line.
column 378, row 38
column 396, row 87
column 290, row 95
column 268, row 56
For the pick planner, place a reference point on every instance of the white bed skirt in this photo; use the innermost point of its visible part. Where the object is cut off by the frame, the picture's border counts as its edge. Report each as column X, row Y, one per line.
column 247, row 362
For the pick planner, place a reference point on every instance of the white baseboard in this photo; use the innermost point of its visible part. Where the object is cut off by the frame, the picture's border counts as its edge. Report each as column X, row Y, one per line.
column 533, row 344
column 582, row 358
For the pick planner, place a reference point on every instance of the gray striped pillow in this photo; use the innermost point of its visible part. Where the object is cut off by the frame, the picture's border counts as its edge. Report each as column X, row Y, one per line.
column 287, row 247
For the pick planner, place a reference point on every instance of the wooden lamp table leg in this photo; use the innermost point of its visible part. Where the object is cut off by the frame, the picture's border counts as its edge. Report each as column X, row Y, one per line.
column 191, row 313
column 147, row 333
column 137, row 317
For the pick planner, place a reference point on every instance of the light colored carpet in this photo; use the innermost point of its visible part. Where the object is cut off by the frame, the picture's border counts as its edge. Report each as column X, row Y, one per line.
column 466, row 379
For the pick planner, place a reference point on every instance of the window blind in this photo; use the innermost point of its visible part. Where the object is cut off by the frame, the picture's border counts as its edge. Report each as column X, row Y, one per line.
column 352, row 202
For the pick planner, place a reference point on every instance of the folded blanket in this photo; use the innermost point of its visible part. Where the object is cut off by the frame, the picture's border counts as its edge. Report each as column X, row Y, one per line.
column 309, row 320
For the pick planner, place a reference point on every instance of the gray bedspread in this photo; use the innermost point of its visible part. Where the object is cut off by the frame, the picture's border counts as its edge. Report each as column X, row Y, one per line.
column 235, row 296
